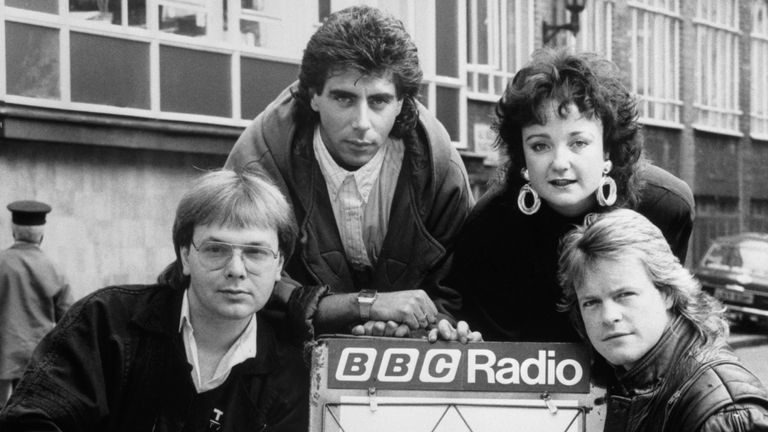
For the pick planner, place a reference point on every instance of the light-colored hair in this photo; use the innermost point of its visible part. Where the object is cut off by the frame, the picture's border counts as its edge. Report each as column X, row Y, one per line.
column 612, row 235
column 28, row 233
column 242, row 199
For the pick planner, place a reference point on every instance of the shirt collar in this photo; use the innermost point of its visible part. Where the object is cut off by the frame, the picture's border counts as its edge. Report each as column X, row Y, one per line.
column 364, row 177
column 241, row 350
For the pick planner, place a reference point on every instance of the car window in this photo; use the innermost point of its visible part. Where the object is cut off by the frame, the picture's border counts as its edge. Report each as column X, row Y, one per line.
column 752, row 256
column 717, row 257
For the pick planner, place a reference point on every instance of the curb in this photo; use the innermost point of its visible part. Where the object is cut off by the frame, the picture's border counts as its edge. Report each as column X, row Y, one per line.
column 747, row 342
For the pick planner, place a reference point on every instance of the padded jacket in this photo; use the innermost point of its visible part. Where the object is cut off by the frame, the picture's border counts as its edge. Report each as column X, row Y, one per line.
column 432, row 200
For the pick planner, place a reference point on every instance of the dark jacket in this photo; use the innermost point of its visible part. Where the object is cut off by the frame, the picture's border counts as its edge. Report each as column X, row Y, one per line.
column 116, row 362
column 505, row 262
column 678, row 387
column 432, row 200
column 33, row 297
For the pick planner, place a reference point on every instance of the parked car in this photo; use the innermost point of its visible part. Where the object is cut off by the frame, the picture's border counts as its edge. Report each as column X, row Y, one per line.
column 735, row 270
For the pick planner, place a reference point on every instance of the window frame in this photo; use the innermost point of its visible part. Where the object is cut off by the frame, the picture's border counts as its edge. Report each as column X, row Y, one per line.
column 151, row 35
column 759, row 71
column 667, row 12
column 499, row 68
column 723, row 102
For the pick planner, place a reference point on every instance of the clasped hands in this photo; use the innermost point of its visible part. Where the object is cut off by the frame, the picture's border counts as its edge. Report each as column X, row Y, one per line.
column 405, row 313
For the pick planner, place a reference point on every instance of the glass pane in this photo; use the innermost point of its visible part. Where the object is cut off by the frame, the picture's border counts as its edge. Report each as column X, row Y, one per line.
column 137, row 13
column 48, row 6
column 101, row 77
column 483, row 32
column 447, row 110
column 107, row 11
column 254, row 5
column 32, row 61
column 470, row 26
column 250, row 33
column 195, row 82
column 483, row 83
column 324, row 9
column 446, row 24
column 261, row 81
column 183, row 21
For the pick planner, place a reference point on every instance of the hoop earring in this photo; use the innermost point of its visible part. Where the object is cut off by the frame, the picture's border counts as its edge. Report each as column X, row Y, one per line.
column 526, row 190
column 606, row 201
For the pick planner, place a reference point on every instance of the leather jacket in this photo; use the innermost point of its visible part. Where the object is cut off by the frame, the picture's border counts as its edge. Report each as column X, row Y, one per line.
column 116, row 362
column 676, row 387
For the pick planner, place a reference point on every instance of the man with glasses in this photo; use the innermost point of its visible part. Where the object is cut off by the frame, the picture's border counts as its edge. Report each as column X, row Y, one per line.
column 191, row 353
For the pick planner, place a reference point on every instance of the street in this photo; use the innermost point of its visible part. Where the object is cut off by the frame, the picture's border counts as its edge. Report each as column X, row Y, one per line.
column 751, row 345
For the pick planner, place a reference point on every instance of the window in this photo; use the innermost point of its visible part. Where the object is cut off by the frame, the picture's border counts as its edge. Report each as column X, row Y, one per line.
column 118, row 12
column 655, row 60
column 143, row 57
column 759, row 91
column 717, row 66
column 595, row 28
column 205, row 61
column 499, row 42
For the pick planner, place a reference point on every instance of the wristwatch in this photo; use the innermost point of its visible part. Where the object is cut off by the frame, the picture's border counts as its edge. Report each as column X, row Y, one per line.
column 365, row 299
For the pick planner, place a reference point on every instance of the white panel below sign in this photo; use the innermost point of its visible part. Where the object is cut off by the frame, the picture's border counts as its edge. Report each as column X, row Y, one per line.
column 438, row 414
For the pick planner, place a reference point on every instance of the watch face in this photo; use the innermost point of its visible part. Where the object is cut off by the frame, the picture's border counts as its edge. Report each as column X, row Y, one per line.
column 366, row 293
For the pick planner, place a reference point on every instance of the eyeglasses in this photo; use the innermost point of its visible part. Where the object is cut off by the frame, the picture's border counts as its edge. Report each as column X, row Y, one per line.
column 215, row 255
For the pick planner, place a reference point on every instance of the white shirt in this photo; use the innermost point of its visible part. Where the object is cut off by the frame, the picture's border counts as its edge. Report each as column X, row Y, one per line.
column 362, row 199
column 242, row 349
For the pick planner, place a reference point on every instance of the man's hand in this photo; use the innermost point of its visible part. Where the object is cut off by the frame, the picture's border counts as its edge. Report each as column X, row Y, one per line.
column 413, row 308
column 381, row 328
column 445, row 331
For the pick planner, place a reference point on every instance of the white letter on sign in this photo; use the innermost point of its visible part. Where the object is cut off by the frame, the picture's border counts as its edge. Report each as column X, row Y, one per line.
column 577, row 372
column 473, row 367
column 440, row 365
column 398, row 364
column 355, row 364
column 540, row 364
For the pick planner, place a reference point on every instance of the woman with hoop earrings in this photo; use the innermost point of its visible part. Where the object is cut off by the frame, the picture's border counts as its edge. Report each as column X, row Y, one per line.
column 568, row 128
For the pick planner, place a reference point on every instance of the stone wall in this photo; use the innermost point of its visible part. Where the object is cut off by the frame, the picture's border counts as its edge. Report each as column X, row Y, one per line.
column 112, row 207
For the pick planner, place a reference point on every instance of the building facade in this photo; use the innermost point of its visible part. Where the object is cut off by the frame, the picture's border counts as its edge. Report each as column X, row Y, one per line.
column 109, row 107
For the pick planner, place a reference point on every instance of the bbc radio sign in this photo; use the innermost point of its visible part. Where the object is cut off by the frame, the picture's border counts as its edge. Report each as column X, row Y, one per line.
column 485, row 366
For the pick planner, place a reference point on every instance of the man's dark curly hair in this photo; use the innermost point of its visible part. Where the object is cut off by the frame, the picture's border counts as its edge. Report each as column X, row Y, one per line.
column 594, row 86
column 366, row 40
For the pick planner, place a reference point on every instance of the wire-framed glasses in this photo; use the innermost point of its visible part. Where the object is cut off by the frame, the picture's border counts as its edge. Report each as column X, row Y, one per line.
column 215, row 255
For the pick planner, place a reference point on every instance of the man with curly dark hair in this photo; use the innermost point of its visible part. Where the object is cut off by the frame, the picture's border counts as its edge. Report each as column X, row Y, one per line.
column 568, row 127
column 377, row 188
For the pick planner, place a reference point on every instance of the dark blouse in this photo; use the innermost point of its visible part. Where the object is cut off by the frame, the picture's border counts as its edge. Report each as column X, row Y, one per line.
column 505, row 262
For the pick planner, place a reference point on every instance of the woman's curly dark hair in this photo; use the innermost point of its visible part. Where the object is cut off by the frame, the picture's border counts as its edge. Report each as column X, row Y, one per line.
column 590, row 83
column 367, row 40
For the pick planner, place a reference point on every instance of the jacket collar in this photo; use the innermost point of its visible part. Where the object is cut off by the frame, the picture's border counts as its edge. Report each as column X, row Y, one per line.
column 658, row 363
column 161, row 314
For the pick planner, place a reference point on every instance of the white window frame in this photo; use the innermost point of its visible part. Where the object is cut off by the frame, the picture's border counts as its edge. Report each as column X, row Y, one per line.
column 759, row 57
column 716, row 100
column 417, row 15
column 499, row 67
column 661, row 89
column 224, row 43
column 595, row 28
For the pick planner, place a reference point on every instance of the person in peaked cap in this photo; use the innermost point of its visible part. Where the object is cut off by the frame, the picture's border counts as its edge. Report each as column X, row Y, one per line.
column 34, row 295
